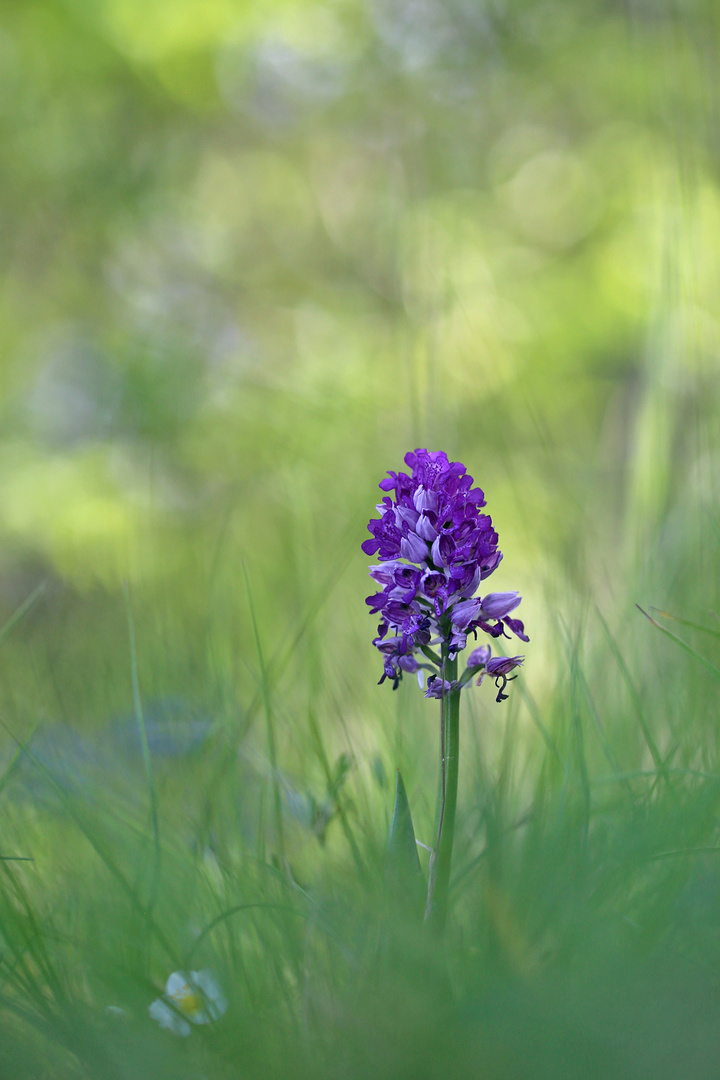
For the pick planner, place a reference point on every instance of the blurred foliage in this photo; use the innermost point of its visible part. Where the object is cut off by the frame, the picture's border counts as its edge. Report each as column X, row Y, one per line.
column 253, row 252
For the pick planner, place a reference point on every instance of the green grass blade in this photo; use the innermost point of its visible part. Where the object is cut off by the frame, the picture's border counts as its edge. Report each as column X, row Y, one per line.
column 147, row 760
column 635, row 697
column 270, row 727
column 403, row 871
column 17, row 615
column 339, row 804
column 280, row 658
column 683, row 645
column 15, row 761
column 225, row 915
column 533, row 709
column 99, row 848
column 685, row 622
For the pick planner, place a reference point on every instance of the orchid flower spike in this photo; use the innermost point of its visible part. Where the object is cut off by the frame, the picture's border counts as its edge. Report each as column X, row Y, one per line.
column 435, row 547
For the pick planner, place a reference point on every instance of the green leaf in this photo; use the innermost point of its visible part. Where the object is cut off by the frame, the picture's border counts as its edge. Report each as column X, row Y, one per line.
column 405, row 878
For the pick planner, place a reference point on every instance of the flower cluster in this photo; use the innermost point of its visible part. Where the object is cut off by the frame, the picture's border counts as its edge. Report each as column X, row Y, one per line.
column 435, row 548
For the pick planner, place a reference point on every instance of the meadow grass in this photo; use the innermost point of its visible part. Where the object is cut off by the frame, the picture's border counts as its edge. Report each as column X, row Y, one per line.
column 249, row 839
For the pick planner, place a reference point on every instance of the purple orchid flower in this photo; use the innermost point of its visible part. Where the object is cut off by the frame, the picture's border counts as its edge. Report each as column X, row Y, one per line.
column 435, row 546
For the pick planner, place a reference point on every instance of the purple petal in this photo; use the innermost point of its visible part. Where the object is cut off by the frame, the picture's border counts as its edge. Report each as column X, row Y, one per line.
column 479, row 656
column 437, row 687
column 383, row 573
column 413, row 548
column 517, row 628
column 425, row 500
column 425, row 528
column 498, row 605
column 464, row 613
column 437, row 554
column 501, row 665
column 469, row 589
column 407, row 515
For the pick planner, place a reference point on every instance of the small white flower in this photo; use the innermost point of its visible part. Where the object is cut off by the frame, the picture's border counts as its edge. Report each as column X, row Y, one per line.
column 192, row 996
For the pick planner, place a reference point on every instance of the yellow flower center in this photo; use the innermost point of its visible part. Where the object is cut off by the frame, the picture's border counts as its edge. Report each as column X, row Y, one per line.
column 188, row 1002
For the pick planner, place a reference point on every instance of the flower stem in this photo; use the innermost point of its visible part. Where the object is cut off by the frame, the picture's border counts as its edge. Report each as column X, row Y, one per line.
column 441, row 859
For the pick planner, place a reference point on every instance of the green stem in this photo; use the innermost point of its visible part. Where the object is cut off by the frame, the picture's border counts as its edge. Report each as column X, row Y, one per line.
column 441, row 860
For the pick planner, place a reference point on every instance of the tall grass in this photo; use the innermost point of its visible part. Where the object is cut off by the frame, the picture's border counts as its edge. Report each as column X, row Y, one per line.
column 583, row 935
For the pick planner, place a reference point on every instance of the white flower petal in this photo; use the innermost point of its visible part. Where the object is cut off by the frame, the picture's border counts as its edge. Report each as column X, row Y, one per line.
column 167, row 1018
column 177, row 983
column 214, row 999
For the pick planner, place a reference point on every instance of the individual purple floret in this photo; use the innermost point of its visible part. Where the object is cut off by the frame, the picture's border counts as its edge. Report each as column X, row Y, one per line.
column 479, row 656
column 435, row 547
column 501, row 665
column 438, row 687
column 499, row 668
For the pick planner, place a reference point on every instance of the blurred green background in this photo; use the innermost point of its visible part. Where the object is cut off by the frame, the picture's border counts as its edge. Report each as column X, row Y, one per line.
column 254, row 252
